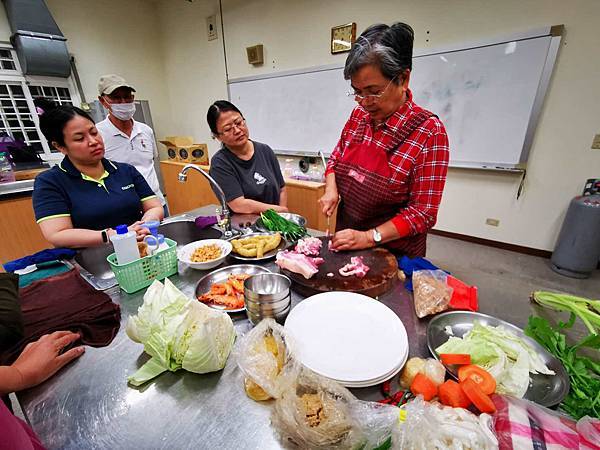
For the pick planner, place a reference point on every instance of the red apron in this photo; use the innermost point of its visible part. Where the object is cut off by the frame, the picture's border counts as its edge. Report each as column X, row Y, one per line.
column 368, row 198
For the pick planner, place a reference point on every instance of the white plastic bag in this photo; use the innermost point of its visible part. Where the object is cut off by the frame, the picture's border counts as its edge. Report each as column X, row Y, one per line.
column 316, row 412
column 265, row 356
column 431, row 426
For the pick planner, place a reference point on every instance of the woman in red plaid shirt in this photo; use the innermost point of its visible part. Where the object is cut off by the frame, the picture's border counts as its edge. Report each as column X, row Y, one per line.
column 389, row 167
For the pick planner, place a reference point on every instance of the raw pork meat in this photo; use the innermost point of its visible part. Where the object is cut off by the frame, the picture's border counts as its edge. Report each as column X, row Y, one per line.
column 310, row 246
column 298, row 263
column 356, row 267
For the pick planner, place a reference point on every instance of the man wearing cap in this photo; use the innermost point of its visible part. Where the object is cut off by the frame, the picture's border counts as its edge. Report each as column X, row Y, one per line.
column 126, row 140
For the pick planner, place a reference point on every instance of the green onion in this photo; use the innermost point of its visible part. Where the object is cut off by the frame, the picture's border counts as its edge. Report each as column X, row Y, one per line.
column 291, row 231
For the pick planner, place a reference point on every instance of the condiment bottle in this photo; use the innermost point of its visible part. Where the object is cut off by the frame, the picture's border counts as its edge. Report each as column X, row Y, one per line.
column 157, row 242
column 125, row 244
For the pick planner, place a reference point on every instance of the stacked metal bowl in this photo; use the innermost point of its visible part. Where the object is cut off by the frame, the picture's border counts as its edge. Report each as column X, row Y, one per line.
column 267, row 295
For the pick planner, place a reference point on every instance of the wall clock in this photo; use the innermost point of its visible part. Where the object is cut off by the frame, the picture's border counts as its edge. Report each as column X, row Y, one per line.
column 342, row 37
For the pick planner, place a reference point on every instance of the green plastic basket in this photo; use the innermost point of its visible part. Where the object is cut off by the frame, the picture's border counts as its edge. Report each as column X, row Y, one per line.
column 141, row 273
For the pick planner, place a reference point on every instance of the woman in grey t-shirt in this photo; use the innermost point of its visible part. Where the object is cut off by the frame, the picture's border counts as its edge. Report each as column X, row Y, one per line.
column 247, row 171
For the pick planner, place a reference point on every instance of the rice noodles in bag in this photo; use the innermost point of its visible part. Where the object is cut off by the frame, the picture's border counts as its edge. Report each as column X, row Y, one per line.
column 265, row 357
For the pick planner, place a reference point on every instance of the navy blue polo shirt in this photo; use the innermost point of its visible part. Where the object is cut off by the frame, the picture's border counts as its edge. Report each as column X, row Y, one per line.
column 116, row 198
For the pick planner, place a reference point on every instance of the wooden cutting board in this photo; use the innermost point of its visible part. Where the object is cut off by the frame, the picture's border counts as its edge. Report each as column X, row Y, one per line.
column 379, row 279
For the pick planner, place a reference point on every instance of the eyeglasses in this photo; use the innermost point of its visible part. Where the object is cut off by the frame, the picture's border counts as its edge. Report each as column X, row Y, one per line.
column 238, row 123
column 370, row 98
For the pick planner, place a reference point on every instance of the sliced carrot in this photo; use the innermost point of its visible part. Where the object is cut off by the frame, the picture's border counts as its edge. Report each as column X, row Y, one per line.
column 424, row 386
column 455, row 358
column 481, row 401
column 484, row 380
column 451, row 394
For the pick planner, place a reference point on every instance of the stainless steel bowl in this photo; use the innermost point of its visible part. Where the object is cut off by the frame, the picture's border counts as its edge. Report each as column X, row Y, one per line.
column 279, row 317
column 267, row 295
column 267, row 288
column 268, row 308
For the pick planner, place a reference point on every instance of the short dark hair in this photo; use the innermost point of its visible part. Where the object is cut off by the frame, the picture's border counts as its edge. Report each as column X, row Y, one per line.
column 215, row 110
column 388, row 47
column 54, row 118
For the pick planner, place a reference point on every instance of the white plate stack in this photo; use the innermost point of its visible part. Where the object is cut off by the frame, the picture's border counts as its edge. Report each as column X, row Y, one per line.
column 350, row 338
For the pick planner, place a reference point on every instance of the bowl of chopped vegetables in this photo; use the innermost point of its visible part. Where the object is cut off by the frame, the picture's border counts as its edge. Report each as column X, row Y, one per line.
column 204, row 254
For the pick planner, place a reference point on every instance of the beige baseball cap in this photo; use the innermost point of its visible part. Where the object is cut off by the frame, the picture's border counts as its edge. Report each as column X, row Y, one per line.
column 108, row 83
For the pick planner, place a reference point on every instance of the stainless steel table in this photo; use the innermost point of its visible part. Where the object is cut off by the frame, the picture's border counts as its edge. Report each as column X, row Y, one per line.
column 90, row 405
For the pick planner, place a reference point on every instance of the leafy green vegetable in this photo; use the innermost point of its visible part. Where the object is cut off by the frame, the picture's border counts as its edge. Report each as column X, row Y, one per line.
column 179, row 333
column 584, row 373
column 508, row 358
column 291, row 231
column 584, row 308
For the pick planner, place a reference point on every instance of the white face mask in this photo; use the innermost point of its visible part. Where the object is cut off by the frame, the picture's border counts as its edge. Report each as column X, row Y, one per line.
column 122, row 111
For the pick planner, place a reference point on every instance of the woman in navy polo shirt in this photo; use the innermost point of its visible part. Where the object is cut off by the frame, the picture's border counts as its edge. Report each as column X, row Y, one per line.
column 79, row 201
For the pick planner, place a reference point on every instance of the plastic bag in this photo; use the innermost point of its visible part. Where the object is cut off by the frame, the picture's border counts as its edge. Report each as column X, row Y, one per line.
column 265, row 356
column 316, row 412
column 431, row 426
column 431, row 292
column 523, row 424
column 589, row 433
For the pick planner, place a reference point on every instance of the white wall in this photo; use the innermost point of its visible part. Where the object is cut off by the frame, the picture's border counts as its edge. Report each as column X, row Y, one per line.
column 113, row 36
column 296, row 35
column 194, row 66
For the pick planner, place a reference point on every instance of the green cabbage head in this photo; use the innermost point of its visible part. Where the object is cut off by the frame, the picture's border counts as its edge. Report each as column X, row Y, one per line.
column 179, row 333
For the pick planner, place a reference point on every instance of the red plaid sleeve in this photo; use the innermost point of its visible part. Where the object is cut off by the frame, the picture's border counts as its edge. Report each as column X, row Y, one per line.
column 426, row 185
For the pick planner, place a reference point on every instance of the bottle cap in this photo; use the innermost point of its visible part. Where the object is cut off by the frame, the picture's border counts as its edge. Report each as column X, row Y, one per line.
column 121, row 229
column 161, row 238
column 152, row 225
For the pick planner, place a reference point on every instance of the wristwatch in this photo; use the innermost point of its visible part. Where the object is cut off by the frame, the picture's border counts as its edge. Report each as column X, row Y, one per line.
column 376, row 236
column 105, row 236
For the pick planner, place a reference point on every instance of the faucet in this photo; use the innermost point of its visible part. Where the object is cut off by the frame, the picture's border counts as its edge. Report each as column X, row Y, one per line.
column 323, row 161
column 220, row 194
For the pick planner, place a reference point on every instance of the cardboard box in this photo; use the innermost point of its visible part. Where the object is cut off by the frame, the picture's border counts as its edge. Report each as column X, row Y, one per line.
column 183, row 149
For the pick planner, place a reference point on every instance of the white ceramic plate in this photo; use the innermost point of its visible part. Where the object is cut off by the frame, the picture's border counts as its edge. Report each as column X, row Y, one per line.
column 185, row 253
column 378, row 380
column 348, row 336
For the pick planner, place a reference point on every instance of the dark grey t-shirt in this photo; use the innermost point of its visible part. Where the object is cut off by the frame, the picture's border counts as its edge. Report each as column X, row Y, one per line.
column 258, row 179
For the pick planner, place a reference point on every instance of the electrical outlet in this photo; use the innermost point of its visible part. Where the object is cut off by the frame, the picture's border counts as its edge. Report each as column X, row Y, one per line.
column 596, row 142
column 492, row 222
column 211, row 27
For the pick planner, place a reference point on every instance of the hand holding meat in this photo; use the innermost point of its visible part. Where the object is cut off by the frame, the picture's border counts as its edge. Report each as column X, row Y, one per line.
column 351, row 240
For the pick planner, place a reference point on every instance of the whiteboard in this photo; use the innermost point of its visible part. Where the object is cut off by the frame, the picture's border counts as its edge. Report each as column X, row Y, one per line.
column 488, row 95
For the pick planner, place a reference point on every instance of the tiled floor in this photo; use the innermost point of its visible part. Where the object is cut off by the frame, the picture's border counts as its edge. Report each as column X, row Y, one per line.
column 502, row 274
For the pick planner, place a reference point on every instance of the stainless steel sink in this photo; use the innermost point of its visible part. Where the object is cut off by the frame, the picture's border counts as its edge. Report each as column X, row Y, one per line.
column 96, row 270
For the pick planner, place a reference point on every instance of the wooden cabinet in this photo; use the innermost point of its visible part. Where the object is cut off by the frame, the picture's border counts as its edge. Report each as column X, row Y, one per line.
column 303, row 196
column 20, row 233
column 303, row 199
column 185, row 196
